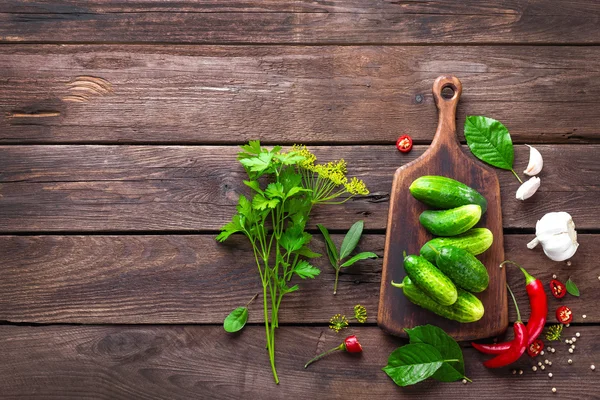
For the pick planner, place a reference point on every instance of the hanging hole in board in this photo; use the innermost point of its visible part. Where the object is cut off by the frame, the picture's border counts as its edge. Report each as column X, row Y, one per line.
column 448, row 92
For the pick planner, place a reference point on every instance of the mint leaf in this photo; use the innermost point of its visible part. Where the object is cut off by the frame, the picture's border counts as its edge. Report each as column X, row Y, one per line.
column 259, row 202
column 358, row 257
column 489, row 141
column 351, row 239
column 413, row 363
column 304, row 270
column 446, row 345
column 572, row 288
column 331, row 249
column 236, row 320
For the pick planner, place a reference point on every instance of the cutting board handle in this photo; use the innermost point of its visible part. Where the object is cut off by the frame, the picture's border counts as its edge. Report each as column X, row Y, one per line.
column 446, row 92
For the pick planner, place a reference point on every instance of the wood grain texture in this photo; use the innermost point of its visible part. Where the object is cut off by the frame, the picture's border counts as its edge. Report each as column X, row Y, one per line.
column 405, row 234
column 195, row 188
column 182, row 362
column 193, row 279
column 382, row 21
column 290, row 94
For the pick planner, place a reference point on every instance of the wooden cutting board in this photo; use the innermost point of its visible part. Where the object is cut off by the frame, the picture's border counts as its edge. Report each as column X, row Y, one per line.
column 404, row 232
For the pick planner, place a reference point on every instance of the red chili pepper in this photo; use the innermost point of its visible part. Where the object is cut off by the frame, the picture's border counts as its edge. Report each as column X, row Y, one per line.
column 350, row 345
column 564, row 315
column 518, row 345
column 537, row 319
column 404, row 143
column 558, row 289
column 535, row 348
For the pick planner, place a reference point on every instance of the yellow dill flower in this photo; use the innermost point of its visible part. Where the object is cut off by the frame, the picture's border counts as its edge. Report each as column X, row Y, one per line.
column 309, row 158
column 356, row 186
column 360, row 313
column 338, row 322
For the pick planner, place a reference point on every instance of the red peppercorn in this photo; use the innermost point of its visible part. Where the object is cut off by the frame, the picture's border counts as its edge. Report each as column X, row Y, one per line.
column 564, row 315
column 404, row 143
column 535, row 348
column 558, row 289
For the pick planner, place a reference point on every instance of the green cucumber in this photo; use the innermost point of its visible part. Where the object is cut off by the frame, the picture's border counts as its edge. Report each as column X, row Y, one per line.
column 451, row 222
column 475, row 241
column 462, row 268
column 441, row 192
column 467, row 307
column 430, row 279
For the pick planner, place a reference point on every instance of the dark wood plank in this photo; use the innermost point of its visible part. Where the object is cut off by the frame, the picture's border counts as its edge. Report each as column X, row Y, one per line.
column 405, row 233
column 192, row 188
column 398, row 22
column 192, row 279
column 290, row 94
column 182, row 362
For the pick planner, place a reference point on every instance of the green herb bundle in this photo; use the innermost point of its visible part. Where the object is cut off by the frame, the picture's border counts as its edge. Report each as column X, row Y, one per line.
column 285, row 186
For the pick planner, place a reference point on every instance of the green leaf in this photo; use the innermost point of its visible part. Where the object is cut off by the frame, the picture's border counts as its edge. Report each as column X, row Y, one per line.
column 254, row 185
column 351, row 239
column 290, row 158
column 296, row 190
column 275, row 189
column 489, row 141
column 308, row 253
column 259, row 202
column 230, row 228
column 305, row 270
column 446, row 345
column 258, row 164
column 236, row 320
column 358, row 257
column 331, row 249
column 413, row 363
column 253, row 147
column 292, row 239
column 289, row 178
column 572, row 288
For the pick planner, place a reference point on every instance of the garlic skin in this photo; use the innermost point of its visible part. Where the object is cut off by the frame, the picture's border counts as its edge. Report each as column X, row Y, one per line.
column 536, row 162
column 528, row 188
column 556, row 232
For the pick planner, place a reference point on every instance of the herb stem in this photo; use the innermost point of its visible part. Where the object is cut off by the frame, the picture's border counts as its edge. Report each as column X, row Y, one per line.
column 513, row 171
column 252, row 299
column 337, row 275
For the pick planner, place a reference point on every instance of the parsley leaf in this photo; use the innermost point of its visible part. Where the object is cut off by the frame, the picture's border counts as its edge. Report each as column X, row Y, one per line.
column 305, row 270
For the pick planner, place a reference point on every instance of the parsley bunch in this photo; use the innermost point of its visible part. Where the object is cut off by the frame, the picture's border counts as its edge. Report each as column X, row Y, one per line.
column 285, row 186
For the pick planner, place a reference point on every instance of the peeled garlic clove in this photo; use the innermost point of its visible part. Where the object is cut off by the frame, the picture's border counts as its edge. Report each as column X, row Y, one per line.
column 528, row 188
column 536, row 162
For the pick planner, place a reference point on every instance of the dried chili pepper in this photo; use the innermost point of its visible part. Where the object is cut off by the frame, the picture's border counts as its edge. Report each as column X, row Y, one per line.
column 404, row 143
column 350, row 344
column 558, row 289
column 564, row 315
column 518, row 345
column 537, row 319
column 535, row 348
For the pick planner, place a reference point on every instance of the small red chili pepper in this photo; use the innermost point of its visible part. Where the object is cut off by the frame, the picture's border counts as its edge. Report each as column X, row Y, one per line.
column 404, row 143
column 518, row 345
column 535, row 348
column 564, row 315
column 350, row 345
column 537, row 319
column 558, row 289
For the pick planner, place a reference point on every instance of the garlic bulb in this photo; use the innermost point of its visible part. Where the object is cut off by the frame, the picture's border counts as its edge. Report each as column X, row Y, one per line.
column 556, row 232
column 535, row 162
column 528, row 188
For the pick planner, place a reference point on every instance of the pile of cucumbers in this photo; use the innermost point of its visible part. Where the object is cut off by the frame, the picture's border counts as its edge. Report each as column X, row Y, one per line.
column 443, row 278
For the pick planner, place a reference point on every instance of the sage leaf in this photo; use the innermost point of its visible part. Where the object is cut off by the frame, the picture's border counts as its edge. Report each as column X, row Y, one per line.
column 446, row 345
column 236, row 320
column 358, row 257
column 413, row 363
column 331, row 249
column 351, row 239
column 572, row 288
column 489, row 141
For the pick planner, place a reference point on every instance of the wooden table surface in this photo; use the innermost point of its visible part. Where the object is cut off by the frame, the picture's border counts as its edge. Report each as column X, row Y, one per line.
column 119, row 127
